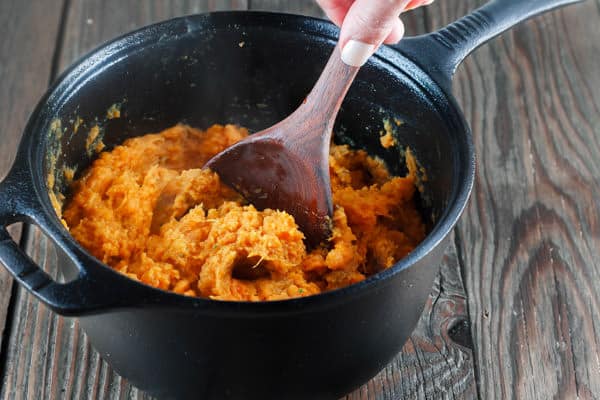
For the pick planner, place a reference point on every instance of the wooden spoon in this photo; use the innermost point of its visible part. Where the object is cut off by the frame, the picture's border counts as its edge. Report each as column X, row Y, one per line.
column 286, row 166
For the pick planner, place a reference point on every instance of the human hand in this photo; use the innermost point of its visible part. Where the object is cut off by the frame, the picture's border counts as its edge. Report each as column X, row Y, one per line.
column 366, row 24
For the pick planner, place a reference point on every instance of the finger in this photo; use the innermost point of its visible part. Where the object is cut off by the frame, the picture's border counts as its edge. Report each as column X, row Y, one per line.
column 371, row 21
column 335, row 10
column 417, row 3
column 367, row 24
column 397, row 33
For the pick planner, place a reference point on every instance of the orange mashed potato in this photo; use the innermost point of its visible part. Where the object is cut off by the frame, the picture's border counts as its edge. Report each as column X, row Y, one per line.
column 148, row 210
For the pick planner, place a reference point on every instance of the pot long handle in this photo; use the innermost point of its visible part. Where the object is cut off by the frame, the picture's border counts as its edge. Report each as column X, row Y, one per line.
column 440, row 53
column 87, row 293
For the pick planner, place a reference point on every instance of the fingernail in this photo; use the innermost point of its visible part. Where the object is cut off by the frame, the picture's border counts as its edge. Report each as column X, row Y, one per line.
column 357, row 53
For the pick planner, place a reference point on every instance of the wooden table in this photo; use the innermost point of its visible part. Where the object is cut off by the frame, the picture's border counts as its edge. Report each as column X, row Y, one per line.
column 515, row 310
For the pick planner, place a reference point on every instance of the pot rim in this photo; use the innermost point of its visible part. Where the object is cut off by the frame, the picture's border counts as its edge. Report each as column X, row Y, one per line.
column 31, row 154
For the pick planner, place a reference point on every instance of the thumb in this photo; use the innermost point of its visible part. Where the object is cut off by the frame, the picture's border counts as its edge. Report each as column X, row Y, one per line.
column 367, row 24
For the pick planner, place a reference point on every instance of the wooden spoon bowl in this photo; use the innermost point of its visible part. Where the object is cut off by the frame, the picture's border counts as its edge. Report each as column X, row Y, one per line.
column 286, row 166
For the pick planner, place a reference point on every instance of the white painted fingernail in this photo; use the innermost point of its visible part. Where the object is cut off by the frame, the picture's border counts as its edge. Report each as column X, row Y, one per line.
column 357, row 53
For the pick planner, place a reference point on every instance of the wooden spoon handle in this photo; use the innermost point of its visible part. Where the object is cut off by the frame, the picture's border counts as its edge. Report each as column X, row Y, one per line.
column 326, row 97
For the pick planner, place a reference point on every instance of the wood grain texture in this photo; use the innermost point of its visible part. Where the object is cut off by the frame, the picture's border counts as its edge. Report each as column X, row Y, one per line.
column 26, row 28
column 432, row 364
column 531, row 235
column 304, row 7
column 49, row 357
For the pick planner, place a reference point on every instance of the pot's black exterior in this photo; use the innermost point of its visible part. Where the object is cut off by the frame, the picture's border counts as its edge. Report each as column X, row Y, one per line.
column 313, row 353
column 251, row 69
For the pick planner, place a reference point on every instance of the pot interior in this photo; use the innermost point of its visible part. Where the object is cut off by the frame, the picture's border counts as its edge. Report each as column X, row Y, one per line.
column 252, row 70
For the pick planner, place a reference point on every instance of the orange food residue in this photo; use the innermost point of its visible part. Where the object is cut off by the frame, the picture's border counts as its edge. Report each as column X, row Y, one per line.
column 113, row 111
column 387, row 140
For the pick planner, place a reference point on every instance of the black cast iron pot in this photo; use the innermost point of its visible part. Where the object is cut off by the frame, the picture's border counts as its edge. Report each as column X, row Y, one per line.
column 250, row 69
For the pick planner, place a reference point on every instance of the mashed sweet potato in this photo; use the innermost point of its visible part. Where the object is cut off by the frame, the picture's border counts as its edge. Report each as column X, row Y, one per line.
column 148, row 210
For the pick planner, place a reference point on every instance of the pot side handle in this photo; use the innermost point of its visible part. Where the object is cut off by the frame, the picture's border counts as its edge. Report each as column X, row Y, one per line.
column 441, row 52
column 86, row 294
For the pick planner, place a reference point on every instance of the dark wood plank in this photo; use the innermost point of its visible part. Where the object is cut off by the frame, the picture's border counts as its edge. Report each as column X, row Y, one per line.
column 28, row 31
column 531, row 235
column 51, row 358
